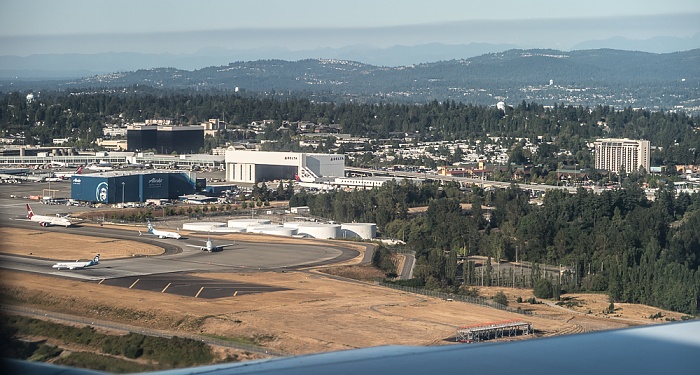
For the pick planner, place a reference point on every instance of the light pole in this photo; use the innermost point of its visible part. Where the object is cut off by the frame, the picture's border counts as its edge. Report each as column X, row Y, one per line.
column 123, row 183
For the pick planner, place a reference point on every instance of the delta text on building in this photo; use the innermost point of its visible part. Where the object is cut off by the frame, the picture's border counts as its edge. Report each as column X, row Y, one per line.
column 255, row 166
column 614, row 154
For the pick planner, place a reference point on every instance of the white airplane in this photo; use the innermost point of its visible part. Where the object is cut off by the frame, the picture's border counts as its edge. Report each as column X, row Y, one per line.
column 45, row 220
column 209, row 246
column 129, row 164
column 68, row 175
column 77, row 265
column 161, row 233
column 99, row 168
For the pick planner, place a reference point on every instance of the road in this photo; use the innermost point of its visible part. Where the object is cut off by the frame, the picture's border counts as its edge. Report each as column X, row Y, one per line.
column 462, row 180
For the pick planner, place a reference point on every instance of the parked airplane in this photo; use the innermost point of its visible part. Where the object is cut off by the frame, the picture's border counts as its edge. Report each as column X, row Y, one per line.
column 77, row 265
column 209, row 246
column 100, row 167
column 161, row 233
column 45, row 220
column 129, row 164
column 67, row 176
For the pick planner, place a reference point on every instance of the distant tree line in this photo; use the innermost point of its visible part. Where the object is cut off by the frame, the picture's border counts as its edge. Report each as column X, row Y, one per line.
column 82, row 115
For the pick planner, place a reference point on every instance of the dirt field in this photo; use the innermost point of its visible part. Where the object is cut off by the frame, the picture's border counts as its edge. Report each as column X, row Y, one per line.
column 61, row 246
column 318, row 313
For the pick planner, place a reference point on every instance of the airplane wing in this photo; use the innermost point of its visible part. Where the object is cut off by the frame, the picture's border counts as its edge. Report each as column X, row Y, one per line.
column 669, row 348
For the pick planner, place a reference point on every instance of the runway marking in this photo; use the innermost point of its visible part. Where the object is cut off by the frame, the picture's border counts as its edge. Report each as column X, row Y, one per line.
column 101, row 281
column 132, row 285
column 200, row 291
column 166, row 287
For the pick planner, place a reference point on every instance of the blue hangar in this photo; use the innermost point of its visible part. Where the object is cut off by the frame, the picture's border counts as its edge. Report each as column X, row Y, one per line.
column 131, row 186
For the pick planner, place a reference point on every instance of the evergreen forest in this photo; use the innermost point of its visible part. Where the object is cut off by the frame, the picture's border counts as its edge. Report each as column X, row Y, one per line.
column 618, row 242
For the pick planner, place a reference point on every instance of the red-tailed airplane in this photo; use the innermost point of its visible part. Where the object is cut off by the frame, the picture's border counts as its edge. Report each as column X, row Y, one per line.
column 45, row 220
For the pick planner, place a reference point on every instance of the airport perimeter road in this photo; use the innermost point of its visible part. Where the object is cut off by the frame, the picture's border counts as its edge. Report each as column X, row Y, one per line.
column 408, row 264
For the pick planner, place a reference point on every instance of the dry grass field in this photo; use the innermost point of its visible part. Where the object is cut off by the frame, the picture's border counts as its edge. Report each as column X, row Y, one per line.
column 316, row 313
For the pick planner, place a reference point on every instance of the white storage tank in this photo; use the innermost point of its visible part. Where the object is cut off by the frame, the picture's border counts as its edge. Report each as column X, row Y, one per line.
column 366, row 231
column 245, row 223
column 227, row 230
column 203, row 226
column 316, row 230
column 275, row 230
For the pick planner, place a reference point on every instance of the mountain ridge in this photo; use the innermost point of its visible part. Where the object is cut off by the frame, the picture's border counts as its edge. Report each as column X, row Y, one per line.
column 650, row 80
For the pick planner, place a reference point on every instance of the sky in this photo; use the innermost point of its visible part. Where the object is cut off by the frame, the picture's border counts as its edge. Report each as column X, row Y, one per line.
column 176, row 26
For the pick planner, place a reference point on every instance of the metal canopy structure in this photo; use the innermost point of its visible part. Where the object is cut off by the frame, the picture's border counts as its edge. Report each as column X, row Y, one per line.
column 487, row 331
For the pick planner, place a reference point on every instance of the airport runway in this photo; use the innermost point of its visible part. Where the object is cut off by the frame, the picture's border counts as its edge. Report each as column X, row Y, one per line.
column 169, row 267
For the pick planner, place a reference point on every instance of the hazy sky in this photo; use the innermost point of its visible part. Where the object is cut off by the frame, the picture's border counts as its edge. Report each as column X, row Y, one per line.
column 176, row 26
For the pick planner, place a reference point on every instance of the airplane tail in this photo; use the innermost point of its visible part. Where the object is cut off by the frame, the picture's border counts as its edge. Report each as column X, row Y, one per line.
column 30, row 213
column 96, row 259
column 150, row 227
column 79, row 170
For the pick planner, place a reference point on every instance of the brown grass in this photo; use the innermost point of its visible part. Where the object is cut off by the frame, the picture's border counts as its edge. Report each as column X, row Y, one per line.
column 316, row 313
column 62, row 246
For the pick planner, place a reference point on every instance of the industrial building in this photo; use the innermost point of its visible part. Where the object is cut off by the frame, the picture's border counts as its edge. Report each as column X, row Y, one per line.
column 165, row 139
column 366, row 231
column 255, row 166
column 613, row 154
column 131, row 186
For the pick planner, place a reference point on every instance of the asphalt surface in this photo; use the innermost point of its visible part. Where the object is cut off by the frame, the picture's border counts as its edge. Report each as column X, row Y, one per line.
column 155, row 272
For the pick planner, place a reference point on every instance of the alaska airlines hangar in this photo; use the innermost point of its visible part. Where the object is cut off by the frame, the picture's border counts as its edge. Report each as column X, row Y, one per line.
column 256, row 166
column 118, row 187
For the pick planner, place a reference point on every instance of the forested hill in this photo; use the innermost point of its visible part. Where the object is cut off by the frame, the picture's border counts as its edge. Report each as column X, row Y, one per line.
column 590, row 77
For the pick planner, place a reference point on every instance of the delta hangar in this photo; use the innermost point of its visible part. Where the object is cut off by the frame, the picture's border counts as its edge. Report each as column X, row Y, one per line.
column 256, row 166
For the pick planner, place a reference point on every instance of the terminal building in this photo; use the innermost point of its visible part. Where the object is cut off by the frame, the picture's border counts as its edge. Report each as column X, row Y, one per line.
column 165, row 139
column 256, row 166
column 120, row 187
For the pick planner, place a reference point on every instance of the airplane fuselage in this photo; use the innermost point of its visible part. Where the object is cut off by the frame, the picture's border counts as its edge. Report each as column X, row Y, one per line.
column 46, row 221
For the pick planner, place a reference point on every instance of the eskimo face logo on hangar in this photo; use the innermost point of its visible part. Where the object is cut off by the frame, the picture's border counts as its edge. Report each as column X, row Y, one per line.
column 101, row 192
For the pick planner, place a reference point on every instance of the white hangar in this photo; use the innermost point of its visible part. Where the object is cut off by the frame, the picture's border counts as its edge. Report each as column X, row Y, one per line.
column 256, row 166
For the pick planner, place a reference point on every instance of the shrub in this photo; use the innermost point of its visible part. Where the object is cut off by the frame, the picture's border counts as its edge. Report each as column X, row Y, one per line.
column 501, row 298
column 543, row 289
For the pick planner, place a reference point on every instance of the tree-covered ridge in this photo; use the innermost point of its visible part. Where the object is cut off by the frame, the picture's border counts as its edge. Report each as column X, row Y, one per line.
column 636, row 250
column 82, row 115
column 589, row 77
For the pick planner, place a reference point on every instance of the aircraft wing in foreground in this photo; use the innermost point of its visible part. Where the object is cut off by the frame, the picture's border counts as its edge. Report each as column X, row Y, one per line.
column 670, row 348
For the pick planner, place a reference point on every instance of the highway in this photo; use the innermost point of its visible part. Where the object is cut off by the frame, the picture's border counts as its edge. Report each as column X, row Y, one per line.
column 464, row 181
